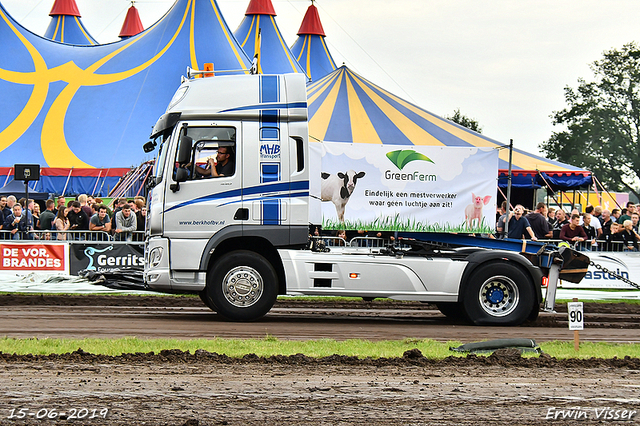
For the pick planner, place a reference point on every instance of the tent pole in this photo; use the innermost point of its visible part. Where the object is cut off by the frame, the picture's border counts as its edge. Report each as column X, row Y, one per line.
column 506, row 220
column 144, row 181
column 549, row 189
column 103, row 181
column 96, row 185
column 607, row 191
column 67, row 182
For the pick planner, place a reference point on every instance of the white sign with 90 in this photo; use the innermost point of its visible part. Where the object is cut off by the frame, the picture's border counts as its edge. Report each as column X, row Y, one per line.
column 576, row 315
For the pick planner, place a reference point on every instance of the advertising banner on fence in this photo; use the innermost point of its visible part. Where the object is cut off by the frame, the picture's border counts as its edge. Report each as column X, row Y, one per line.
column 33, row 257
column 407, row 188
column 625, row 264
column 101, row 257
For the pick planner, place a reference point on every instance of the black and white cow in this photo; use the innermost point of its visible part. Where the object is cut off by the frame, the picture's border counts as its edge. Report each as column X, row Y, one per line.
column 338, row 188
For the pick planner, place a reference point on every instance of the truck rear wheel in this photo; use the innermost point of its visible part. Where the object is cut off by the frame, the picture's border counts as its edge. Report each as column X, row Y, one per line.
column 452, row 310
column 242, row 285
column 498, row 294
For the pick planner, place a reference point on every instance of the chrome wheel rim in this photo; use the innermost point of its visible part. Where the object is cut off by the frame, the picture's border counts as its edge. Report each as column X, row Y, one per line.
column 499, row 296
column 242, row 286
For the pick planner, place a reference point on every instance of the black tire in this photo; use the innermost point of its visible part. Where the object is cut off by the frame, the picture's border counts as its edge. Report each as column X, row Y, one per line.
column 242, row 285
column 452, row 310
column 205, row 299
column 498, row 294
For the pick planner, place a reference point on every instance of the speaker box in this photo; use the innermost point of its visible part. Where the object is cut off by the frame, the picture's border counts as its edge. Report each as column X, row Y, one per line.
column 26, row 172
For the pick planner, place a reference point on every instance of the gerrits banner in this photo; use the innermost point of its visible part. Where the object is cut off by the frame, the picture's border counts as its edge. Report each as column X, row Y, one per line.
column 102, row 257
column 33, row 257
column 406, row 188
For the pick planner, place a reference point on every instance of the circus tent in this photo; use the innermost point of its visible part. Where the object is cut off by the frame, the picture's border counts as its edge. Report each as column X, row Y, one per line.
column 92, row 106
column 345, row 107
column 310, row 48
column 66, row 25
column 259, row 33
column 73, row 107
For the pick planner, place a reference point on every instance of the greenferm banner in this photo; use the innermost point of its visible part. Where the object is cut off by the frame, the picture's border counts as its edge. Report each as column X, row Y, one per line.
column 407, row 188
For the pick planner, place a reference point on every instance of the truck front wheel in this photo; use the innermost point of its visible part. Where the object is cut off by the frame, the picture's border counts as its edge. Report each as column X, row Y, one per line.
column 498, row 294
column 242, row 285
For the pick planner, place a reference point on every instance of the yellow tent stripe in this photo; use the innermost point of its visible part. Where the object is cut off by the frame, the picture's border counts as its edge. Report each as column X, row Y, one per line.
column 192, row 37
column 465, row 135
column 523, row 161
column 83, row 31
column 326, row 50
column 304, row 44
column 253, row 20
column 416, row 134
column 308, row 57
column 284, row 45
column 312, row 96
column 55, row 32
column 229, row 39
column 361, row 128
column 319, row 124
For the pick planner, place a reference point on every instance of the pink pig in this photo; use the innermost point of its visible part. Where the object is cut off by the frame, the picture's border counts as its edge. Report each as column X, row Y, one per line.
column 474, row 210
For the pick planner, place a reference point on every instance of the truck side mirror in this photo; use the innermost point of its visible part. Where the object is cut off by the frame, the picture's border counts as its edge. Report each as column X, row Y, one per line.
column 181, row 176
column 184, row 152
column 149, row 146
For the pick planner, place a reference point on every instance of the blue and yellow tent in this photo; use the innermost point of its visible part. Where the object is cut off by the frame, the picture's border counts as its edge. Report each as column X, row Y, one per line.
column 310, row 49
column 259, row 33
column 93, row 106
column 344, row 107
column 66, row 25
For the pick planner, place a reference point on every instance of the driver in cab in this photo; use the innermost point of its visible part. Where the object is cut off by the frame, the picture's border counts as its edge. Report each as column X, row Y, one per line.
column 218, row 166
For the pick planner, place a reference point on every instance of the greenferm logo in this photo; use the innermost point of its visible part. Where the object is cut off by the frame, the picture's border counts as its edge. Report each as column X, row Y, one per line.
column 402, row 157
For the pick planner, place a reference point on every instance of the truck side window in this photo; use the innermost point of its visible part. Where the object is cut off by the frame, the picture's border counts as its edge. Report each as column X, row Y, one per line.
column 213, row 153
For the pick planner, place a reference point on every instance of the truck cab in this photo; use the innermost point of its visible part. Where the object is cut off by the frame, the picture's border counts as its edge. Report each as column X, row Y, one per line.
column 260, row 204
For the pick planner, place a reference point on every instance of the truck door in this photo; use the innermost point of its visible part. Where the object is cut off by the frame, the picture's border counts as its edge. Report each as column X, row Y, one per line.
column 266, row 188
column 203, row 204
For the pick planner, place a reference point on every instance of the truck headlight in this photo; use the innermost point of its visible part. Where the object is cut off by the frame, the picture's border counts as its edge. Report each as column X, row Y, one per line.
column 155, row 256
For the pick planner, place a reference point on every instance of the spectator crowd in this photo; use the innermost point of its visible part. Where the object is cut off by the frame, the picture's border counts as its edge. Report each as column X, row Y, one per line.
column 595, row 229
column 83, row 218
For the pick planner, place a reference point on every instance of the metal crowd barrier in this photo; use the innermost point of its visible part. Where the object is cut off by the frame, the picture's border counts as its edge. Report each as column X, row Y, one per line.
column 359, row 241
column 600, row 245
column 136, row 236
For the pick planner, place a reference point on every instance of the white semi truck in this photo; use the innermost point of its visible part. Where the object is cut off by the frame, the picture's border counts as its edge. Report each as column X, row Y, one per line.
column 242, row 239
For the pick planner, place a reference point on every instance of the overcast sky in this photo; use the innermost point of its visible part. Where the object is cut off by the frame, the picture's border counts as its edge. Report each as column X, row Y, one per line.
column 504, row 63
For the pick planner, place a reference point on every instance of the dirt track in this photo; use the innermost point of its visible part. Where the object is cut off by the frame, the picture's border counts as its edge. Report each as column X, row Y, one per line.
column 186, row 317
column 176, row 388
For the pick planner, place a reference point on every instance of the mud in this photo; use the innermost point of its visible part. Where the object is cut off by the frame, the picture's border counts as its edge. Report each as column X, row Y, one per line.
column 203, row 388
column 179, row 388
column 13, row 299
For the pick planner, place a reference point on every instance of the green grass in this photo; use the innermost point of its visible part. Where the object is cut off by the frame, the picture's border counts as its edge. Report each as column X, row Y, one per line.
column 406, row 224
column 314, row 348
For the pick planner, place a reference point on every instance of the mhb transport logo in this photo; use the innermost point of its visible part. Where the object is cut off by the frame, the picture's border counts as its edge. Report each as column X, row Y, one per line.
column 270, row 151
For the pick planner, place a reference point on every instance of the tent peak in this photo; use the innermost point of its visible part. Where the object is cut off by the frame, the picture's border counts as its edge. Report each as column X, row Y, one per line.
column 260, row 7
column 132, row 24
column 65, row 7
column 311, row 24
